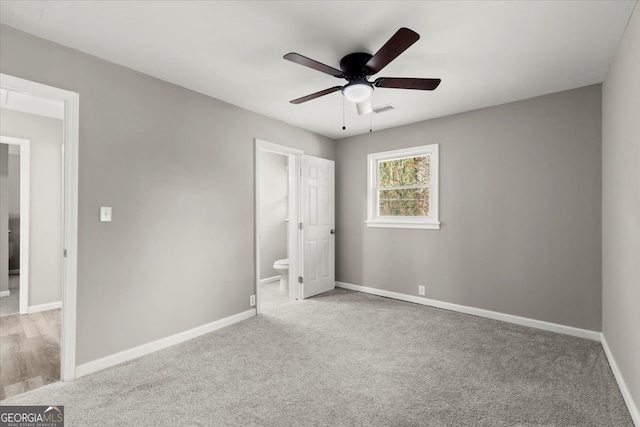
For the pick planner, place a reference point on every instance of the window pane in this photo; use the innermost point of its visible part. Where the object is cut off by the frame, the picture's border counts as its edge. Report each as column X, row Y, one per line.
column 404, row 172
column 407, row 202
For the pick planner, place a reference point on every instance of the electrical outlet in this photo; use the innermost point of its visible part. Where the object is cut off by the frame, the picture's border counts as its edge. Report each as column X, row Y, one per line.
column 421, row 290
column 252, row 300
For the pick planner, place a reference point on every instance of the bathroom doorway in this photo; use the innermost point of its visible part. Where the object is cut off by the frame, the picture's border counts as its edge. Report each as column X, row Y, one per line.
column 277, row 219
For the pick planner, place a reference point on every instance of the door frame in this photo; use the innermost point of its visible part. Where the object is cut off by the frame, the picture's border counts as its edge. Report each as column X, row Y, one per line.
column 25, row 194
column 71, row 125
column 293, row 240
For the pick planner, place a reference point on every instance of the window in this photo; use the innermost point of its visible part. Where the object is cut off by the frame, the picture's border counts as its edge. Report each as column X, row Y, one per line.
column 403, row 188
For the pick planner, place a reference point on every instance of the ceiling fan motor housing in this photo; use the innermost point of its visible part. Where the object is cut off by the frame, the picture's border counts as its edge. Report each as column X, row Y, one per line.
column 353, row 66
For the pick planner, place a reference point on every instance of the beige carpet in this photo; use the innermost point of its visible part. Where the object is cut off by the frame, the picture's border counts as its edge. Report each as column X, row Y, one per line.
column 352, row 359
column 10, row 304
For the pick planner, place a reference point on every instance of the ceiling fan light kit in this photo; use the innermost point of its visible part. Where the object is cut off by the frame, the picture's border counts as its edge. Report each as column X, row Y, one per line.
column 357, row 90
column 357, row 67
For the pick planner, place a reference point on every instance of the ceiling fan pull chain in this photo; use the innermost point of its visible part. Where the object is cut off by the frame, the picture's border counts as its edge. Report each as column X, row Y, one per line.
column 343, row 125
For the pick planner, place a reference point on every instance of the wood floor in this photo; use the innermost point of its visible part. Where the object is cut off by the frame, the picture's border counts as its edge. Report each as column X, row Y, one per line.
column 29, row 351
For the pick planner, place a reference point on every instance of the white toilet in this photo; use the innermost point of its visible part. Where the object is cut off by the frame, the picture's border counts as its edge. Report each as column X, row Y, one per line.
column 282, row 267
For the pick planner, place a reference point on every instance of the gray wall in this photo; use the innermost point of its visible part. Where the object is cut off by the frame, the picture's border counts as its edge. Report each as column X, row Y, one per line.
column 14, row 211
column 45, row 182
column 274, row 191
column 177, row 168
column 14, row 185
column 4, row 218
column 520, row 194
column 621, row 207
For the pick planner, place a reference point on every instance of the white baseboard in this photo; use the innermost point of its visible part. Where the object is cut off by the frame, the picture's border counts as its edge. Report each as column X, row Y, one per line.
column 622, row 385
column 269, row 280
column 5, row 293
column 44, row 307
column 524, row 321
column 142, row 350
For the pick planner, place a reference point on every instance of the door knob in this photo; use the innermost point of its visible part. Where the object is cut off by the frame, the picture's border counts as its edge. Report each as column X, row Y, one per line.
column 333, row 231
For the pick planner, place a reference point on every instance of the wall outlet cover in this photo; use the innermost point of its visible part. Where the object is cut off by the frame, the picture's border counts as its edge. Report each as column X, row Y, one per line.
column 252, row 300
column 421, row 290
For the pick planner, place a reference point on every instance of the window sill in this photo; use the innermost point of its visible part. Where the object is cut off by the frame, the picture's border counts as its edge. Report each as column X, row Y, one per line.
column 415, row 225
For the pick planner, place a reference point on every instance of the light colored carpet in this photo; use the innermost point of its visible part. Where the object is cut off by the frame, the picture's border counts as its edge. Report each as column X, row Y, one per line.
column 10, row 304
column 351, row 359
column 14, row 281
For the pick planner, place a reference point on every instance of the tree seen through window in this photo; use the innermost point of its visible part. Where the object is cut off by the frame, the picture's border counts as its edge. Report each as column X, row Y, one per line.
column 403, row 186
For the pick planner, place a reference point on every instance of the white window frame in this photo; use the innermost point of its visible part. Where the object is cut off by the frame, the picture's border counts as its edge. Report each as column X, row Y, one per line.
column 430, row 222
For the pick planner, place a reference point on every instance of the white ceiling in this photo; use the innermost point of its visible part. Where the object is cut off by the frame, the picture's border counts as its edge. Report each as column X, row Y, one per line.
column 485, row 52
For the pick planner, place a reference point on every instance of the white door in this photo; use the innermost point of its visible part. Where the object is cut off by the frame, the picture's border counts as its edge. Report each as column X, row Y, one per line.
column 318, row 212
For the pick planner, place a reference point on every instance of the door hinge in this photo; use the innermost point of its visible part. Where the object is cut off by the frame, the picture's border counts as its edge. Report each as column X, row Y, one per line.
column 64, row 253
column 299, row 279
column 299, row 226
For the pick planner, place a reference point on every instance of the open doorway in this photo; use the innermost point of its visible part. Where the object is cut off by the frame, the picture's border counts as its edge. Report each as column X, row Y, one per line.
column 30, row 319
column 295, row 205
column 15, row 155
column 277, row 218
column 40, row 124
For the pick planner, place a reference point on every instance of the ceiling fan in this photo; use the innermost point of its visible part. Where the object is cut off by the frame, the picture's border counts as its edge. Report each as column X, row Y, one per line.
column 357, row 67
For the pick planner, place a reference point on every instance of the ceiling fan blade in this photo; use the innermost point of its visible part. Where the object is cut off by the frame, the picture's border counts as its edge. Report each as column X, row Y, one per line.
column 308, row 62
column 364, row 107
column 406, row 83
column 398, row 43
column 316, row 95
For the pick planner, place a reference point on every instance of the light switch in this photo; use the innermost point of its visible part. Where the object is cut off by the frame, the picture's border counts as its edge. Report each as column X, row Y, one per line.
column 105, row 214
